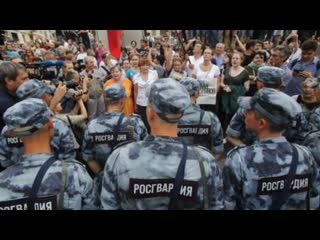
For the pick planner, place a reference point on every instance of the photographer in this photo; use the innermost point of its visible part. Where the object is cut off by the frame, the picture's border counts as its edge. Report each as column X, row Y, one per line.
column 67, row 66
column 75, row 87
column 76, row 119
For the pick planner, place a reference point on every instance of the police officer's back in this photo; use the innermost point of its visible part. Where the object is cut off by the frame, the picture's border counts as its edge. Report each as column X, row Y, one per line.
column 271, row 173
column 11, row 148
column 199, row 127
column 45, row 182
column 161, row 172
column 108, row 130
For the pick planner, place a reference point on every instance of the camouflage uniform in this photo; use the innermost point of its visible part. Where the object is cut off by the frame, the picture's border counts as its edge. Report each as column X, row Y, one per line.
column 207, row 133
column 310, row 110
column 237, row 128
column 314, row 115
column 140, row 175
column 294, row 133
column 253, row 174
column 315, row 118
column 312, row 141
column 23, row 119
column 11, row 148
column 97, row 144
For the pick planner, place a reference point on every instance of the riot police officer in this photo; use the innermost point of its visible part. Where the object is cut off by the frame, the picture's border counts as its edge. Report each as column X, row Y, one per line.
column 271, row 173
column 161, row 172
column 11, row 148
column 108, row 130
column 39, row 181
column 198, row 126
column 237, row 134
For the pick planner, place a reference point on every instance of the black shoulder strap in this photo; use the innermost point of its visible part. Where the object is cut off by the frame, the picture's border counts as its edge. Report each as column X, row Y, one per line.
column 38, row 180
column 197, row 137
column 318, row 65
column 284, row 194
column 116, row 131
column 174, row 204
column 108, row 72
column 130, row 127
column 201, row 116
column 294, row 62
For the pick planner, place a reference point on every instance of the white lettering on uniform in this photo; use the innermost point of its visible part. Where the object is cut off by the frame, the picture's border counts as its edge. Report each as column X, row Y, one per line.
column 135, row 188
column 295, row 184
column 264, row 185
column 170, row 187
column 159, row 185
column 203, row 131
column 122, row 137
column 183, row 190
column 148, row 188
column 269, row 186
column 13, row 140
column 19, row 207
column 281, row 184
column 142, row 189
column 189, row 191
column 165, row 188
column 49, row 206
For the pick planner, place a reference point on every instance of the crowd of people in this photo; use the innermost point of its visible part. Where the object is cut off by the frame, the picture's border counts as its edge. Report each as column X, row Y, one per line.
column 201, row 119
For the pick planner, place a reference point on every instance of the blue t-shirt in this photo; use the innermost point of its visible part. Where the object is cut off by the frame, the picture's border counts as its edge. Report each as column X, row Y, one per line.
column 294, row 85
column 130, row 73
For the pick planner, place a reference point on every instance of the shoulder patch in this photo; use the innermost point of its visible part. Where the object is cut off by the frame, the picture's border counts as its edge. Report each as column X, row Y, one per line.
column 235, row 149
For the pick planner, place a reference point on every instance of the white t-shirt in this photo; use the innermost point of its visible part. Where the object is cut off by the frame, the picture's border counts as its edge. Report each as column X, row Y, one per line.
column 208, row 88
column 81, row 56
column 142, row 100
column 295, row 55
column 195, row 62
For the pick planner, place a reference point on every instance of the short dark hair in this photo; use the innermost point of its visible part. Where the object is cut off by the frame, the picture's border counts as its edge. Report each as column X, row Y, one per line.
column 10, row 70
column 272, row 127
column 285, row 51
column 160, row 59
column 309, row 45
column 269, row 85
column 71, row 75
column 250, row 44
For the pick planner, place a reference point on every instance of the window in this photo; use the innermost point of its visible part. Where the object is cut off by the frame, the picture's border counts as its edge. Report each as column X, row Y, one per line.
column 15, row 36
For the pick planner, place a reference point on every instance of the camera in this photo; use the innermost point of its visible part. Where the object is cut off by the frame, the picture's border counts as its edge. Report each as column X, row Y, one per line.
column 291, row 40
column 298, row 70
column 70, row 84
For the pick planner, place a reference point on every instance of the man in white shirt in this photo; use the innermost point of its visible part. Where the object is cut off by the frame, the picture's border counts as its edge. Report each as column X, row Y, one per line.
column 196, row 59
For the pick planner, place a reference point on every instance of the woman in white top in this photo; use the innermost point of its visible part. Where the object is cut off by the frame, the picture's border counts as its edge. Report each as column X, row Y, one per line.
column 141, row 82
column 209, row 76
